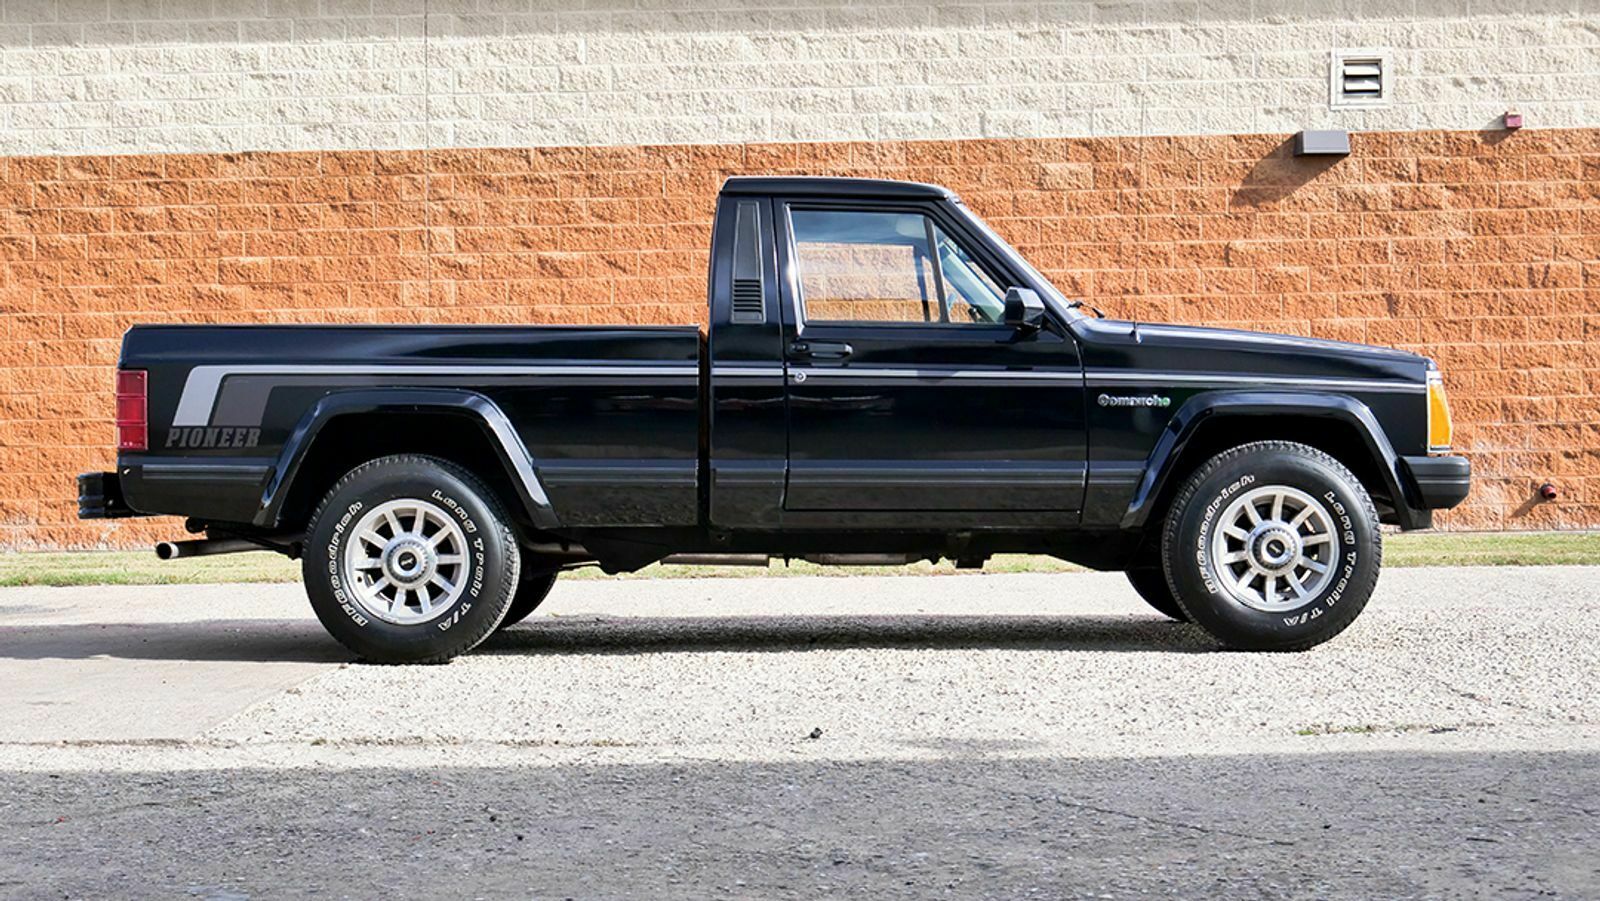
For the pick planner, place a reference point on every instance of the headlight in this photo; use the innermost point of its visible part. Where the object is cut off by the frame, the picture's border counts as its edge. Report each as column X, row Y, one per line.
column 1440, row 429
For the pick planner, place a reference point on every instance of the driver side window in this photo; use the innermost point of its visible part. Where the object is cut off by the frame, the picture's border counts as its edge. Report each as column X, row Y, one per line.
column 887, row 267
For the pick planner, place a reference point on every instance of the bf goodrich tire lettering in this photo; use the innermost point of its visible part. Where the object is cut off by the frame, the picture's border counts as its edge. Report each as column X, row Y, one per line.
column 1272, row 546
column 409, row 559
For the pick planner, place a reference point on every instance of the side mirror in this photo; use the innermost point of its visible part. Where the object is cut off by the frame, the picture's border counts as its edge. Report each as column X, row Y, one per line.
column 1024, row 309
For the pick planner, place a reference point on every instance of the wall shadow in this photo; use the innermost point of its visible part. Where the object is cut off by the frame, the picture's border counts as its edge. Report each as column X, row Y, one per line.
column 1329, row 825
column 1278, row 175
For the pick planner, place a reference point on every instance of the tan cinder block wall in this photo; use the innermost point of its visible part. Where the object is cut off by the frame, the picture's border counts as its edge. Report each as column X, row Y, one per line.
column 141, row 76
column 1480, row 249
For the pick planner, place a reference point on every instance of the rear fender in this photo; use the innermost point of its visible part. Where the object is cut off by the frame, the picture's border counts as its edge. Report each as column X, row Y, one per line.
column 508, row 446
column 1209, row 406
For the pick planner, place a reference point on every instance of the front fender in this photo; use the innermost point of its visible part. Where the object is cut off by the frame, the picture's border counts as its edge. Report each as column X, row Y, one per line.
column 513, row 454
column 1211, row 405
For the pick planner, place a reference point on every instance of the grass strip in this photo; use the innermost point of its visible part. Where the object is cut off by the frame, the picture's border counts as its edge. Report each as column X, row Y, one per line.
column 142, row 567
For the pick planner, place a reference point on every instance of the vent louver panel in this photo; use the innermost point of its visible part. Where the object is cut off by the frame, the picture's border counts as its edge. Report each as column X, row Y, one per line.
column 749, row 294
column 748, row 304
column 1363, row 78
column 1360, row 78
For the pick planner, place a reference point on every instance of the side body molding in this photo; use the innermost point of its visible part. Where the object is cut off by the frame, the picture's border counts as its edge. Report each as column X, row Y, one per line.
column 1211, row 405
column 497, row 427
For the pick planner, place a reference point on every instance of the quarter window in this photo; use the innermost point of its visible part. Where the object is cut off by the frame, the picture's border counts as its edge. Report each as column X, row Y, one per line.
column 868, row 266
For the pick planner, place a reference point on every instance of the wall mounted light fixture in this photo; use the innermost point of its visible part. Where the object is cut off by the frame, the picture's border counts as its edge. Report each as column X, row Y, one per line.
column 1331, row 142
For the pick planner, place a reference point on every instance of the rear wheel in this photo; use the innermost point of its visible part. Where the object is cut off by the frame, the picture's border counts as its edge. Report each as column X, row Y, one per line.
column 1272, row 546
column 531, row 592
column 409, row 559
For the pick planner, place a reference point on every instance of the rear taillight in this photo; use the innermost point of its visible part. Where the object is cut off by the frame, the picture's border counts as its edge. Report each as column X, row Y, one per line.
column 133, row 411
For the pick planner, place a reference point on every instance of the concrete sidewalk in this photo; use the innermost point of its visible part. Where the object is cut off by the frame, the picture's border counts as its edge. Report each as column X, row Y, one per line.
column 962, row 735
column 1062, row 664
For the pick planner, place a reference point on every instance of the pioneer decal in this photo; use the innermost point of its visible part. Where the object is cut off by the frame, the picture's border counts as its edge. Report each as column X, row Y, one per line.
column 214, row 436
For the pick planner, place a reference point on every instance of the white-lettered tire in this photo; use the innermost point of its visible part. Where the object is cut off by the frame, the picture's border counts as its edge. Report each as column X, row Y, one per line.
column 531, row 591
column 1272, row 546
column 1151, row 584
column 410, row 559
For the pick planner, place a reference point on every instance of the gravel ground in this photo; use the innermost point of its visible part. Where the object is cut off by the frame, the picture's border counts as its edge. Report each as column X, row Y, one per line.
column 963, row 735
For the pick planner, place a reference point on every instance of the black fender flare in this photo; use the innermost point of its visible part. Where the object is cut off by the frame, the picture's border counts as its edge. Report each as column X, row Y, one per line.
column 1211, row 405
column 508, row 445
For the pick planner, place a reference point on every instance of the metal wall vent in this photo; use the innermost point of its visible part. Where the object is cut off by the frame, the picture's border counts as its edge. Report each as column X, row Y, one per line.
column 749, row 300
column 1360, row 78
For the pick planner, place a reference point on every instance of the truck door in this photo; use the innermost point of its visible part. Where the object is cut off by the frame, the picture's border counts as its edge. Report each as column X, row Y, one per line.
column 906, row 390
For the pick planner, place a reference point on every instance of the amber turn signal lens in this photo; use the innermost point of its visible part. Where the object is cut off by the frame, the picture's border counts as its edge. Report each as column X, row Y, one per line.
column 1440, row 429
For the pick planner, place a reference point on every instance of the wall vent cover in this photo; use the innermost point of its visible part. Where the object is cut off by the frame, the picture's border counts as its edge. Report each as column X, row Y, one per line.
column 1360, row 78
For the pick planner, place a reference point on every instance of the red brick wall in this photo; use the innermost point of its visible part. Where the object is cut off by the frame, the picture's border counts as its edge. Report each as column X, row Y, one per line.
column 1482, row 250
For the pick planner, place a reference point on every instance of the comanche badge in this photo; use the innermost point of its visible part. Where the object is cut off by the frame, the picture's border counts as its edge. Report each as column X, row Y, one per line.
column 1138, row 400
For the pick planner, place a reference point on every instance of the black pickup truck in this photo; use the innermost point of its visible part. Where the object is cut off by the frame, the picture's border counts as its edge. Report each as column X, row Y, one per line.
column 883, row 380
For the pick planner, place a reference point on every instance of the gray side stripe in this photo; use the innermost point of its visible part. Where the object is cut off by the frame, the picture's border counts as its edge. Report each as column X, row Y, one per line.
column 867, row 372
column 1092, row 377
column 200, row 390
column 1115, row 377
column 747, row 372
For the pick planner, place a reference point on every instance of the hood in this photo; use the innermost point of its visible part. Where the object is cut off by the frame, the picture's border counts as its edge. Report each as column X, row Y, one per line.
column 1113, row 343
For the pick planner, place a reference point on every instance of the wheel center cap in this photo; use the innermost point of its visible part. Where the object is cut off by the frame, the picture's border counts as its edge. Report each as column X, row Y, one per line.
column 1274, row 546
column 408, row 561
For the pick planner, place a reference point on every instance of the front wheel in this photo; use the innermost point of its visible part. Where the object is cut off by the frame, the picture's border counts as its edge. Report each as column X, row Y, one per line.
column 409, row 559
column 1272, row 546
column 1151, row 584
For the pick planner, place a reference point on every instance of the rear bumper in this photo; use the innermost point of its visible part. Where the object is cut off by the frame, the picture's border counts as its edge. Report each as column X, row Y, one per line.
column 100, row 497
column 1436, row 483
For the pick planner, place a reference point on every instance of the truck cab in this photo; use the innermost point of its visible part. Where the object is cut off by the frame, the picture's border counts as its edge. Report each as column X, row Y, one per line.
column 875, row 352
column 881, row 379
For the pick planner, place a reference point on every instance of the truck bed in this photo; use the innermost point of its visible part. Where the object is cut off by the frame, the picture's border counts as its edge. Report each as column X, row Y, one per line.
column 610, row 414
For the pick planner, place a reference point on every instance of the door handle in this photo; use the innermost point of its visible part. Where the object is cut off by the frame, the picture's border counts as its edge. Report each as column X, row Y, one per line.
column 821, row 350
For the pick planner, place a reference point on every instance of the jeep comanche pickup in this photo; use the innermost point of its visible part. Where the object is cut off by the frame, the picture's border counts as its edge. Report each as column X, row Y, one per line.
column 883, row 380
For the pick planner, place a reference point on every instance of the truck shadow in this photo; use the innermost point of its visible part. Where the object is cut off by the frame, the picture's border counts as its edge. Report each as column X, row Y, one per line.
column 303, row 641
column 243, row 641
column 668, row 634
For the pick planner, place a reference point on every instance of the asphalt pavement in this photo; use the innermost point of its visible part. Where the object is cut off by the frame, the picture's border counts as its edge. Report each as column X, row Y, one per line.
column 949, row 736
